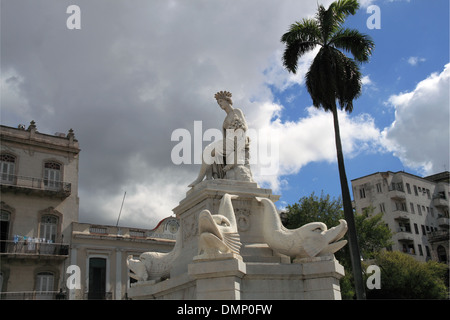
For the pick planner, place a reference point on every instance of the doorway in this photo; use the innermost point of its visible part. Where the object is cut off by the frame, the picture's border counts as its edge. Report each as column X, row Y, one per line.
column 97, row 279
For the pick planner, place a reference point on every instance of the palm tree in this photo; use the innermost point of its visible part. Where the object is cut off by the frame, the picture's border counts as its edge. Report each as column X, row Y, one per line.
column 333, row 76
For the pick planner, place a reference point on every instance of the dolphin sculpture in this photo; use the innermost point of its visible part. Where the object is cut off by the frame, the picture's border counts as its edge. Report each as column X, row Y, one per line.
column 311, row 240
column 154, row 265
column 218, row 232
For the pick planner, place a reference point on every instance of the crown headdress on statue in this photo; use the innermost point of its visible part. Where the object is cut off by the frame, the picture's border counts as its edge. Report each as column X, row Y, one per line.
column 226, row 95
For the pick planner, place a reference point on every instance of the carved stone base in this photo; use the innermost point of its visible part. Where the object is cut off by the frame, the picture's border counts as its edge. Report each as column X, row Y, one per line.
column 230, row 278
column 255, row 273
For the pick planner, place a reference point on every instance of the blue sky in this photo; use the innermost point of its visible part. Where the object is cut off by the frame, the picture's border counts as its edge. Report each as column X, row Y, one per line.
column 138, row 70
column 412, row 43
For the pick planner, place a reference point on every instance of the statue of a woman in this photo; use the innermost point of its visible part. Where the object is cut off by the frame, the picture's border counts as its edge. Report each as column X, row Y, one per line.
column 227, row 158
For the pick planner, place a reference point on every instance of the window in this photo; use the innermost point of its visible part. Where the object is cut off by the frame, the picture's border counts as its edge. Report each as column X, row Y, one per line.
column 408, row 188
column 5, row 217
column 420, row 249
column 411, row 205
column 400, row 206
column 442, row 255
column 428, row 194
column 415, row 191
column 404, row 227
column 382, row 208
column 7, row 167
column 419, row 210
column 416, row 228
column 408, row 248
column 52, row 175
column 423, row 229
column 428, row 251
column 49, row 227
column 362, row 193
column 44, row 282
column 379, row 189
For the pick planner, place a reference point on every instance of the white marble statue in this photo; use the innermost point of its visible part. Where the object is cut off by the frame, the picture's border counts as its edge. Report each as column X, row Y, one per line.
column 227, row 158
column 218, row 232
column 311, row 240
column 154, row 265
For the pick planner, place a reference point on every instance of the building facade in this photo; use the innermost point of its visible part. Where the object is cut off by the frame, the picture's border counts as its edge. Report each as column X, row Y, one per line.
column 99, row 254
column 45, row 252
column 39, row 201
column 415, row 209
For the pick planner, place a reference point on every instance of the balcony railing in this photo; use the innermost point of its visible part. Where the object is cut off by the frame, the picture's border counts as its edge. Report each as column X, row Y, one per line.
column 15, row 183
column 439, row 235
column 32, row 248
column 33, row 295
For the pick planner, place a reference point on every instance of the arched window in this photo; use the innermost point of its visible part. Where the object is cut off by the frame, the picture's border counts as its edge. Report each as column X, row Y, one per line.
column 7, row 167
column 52, row 175
column 49, row 227
column 442, row 255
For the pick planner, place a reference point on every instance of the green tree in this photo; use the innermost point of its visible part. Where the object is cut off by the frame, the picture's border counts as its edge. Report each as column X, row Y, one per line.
column 333, row 76
column 403, row 277
column 312, row 209
column 373, row 234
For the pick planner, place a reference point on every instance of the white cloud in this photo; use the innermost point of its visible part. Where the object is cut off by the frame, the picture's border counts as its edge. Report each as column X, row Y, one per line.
column 415, row 60
column 419, row 136
column 280, row 78
column 311, row 139
column 135, row 72
column 12, row 99
column 365, row 80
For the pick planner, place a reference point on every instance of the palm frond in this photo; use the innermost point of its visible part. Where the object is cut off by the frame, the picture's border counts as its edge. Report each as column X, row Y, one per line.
column 333, row 76
column 301, row 37
column 343, row 8
column 351, row 40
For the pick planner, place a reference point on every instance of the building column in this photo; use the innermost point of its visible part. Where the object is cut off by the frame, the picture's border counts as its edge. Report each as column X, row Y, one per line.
column 118, row 288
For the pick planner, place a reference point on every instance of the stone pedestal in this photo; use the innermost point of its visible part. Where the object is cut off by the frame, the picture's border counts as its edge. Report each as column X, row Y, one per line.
column 219, row 278
column 257, row 273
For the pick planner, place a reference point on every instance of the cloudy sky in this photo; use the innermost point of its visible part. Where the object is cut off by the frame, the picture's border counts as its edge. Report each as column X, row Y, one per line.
column 138, row 70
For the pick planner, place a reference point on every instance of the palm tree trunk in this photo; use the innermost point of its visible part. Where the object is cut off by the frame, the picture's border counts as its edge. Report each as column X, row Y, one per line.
column 348, row 213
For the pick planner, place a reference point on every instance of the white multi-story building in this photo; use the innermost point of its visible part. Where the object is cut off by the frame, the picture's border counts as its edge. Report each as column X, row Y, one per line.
column 415, row 209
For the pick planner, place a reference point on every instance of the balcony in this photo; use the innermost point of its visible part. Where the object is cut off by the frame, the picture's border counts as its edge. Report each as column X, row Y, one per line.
column 443, row 222
column 440, row 201
column 404, row 234
column 35, row 186
column 33, row 250
column 439, row 235
column 396, row 193
column 400, row 215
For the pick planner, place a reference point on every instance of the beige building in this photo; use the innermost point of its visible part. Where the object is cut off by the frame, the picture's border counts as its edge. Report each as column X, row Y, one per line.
column 100, row 253
column 415, row 209
column 43, row 247
column 39, row 201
